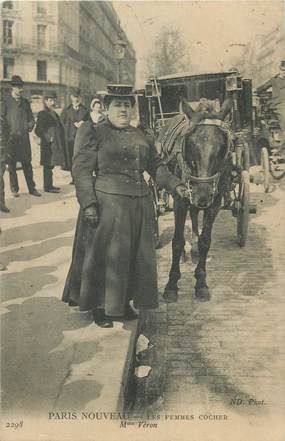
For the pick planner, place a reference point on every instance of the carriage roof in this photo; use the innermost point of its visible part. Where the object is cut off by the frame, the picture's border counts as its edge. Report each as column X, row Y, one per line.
column 186, row 76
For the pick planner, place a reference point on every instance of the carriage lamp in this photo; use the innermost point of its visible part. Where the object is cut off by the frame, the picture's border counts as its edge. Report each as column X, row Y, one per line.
column 233, row 83
column 152, row 89
column 148, row 90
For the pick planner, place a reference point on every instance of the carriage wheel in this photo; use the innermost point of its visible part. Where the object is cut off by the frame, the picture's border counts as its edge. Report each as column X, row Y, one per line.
column 243, row 211
column 265, row 168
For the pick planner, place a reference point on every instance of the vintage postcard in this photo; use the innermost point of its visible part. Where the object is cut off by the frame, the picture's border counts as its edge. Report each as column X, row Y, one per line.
column 142, row 195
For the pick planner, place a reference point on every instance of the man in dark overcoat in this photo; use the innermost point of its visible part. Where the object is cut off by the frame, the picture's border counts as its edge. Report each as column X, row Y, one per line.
column 51, row 133
column 20, row 122
column 72, row 117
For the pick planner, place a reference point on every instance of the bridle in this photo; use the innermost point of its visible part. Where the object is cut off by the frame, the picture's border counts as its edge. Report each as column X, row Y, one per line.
column 213, row 180
column 193, row 180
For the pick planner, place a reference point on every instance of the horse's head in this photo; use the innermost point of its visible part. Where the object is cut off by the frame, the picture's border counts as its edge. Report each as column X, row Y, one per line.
column 205, row 154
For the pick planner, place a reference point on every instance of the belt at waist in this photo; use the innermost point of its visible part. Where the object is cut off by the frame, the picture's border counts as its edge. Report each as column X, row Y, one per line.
column 121, row 184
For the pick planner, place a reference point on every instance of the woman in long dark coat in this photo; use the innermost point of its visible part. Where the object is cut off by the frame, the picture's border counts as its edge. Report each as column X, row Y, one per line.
column 114, row 258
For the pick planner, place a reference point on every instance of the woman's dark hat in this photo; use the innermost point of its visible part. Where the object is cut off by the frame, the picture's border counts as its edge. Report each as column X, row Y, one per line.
column 16, row 81
column 119, row 91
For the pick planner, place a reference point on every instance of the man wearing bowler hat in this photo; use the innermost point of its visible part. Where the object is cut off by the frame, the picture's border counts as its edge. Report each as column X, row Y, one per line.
column 17, row 114
column 51, row 133
column 72, row 117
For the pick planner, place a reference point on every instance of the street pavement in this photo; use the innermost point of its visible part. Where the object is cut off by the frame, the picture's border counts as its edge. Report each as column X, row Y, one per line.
column 226, row 356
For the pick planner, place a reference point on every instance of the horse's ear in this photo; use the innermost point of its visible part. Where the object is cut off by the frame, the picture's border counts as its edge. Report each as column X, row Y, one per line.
column 186, row 108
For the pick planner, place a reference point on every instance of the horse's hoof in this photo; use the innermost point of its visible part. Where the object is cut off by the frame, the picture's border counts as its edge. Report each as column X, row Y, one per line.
column 203, row 293
column 170, row 296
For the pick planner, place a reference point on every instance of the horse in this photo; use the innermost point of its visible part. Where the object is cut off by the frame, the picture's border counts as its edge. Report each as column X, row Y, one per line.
column 202, row 161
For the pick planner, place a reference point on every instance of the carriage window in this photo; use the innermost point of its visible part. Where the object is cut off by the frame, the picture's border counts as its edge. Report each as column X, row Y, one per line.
column 211, row 89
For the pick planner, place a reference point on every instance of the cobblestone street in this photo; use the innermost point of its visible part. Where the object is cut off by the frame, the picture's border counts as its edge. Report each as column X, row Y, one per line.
column 225, row 356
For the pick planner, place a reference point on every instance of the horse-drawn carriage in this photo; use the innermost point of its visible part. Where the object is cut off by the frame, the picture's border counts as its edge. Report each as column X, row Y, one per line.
column 161, row 101
column 203, row 127
column 268, row 136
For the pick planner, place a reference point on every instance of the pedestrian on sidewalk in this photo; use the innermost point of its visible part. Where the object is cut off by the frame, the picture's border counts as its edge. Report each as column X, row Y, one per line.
column 96, row 115
column 113, row 260
column 51, row 133
column 17, row 113
column 72, row 117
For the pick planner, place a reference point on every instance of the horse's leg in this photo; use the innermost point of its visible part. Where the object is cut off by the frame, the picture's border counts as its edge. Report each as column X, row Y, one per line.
column 194, row 212
column 180, row 212
column 204, row 242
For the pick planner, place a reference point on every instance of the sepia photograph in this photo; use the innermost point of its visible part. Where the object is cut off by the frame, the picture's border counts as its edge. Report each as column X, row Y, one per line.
column 142, row 210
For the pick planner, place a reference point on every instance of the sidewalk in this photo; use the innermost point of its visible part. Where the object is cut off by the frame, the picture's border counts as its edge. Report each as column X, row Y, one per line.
column 54, row 358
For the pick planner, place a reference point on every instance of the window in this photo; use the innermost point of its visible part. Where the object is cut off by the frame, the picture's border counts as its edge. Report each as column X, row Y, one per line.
column 41, row 7
column 41, row 70
column 7, row 5
column 42, row 36
column 8, row 31
column 8, row 67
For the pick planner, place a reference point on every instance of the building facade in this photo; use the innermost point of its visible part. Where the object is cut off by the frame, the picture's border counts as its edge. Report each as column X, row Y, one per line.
column 62, row 45
column 261, row 57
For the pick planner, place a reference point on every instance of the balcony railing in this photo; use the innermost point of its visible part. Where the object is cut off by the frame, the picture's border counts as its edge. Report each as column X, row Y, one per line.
column 19, row 46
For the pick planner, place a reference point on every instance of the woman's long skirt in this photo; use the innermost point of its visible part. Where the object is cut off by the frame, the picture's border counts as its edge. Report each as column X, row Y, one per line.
column 114, row 262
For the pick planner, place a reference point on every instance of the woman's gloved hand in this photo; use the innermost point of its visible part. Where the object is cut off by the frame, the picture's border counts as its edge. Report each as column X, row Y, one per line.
column 91, row 215
column 181, row 190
